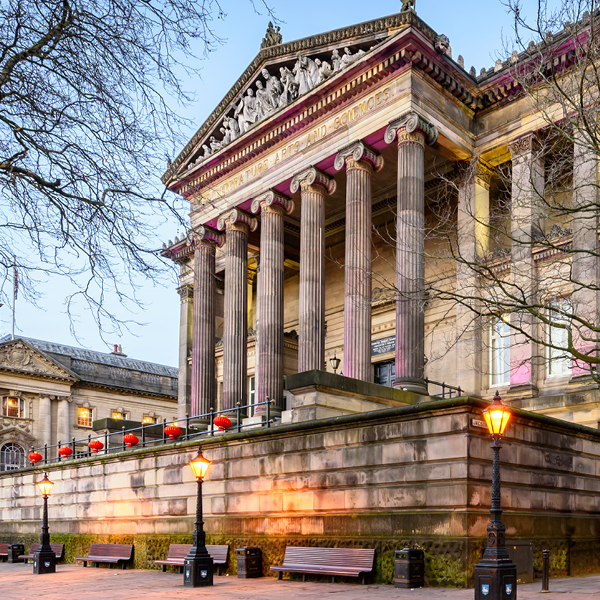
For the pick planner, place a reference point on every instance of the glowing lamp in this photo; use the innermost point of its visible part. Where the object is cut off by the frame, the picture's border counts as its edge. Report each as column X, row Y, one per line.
column 496, row 416
column 130, row 440
column 45, row 486
column 96, row 445
column 35, row 457
column 65, row 451
column 335, row 363
column 172, row 431
column 199, row 465
column 222, row 422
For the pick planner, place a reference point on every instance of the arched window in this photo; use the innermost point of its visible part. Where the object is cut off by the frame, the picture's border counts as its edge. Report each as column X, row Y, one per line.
column 12, row 456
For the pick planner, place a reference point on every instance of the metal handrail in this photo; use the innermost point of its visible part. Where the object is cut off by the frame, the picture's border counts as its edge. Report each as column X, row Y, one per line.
column 448, row 390
column 114, row 442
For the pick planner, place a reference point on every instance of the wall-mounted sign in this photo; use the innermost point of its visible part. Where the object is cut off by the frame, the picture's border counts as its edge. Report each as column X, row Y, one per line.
column 383, row 345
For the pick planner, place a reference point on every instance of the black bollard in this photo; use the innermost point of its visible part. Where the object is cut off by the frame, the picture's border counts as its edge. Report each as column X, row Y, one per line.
column 545, row 570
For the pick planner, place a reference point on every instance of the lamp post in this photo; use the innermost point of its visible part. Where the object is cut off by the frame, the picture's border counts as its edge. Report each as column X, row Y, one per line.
column 335, row 363
column 198, row 564
column 44, row 560
column 496, row 575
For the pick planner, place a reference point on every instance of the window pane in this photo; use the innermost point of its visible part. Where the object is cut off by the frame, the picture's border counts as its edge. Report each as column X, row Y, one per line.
column 500, row 352
column 84, row 416
column 117, row 415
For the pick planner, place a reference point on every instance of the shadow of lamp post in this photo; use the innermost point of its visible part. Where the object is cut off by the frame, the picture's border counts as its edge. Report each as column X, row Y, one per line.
column 44, row 559
column 496, row 575
column 198, row 564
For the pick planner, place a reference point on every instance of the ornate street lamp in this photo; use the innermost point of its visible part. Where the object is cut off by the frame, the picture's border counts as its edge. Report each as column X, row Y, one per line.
column 496, row 575
column 198, row 564
column 44, row 560
column 335, row 363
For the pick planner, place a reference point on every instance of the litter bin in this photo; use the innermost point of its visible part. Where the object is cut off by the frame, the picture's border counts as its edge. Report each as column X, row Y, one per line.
column 409, row 568
column 249, row 562
column 14, row 552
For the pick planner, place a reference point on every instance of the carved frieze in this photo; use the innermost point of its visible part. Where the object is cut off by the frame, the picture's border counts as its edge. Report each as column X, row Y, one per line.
column 359, row 151
column 411, row 122
column 237, row 219
column 272, row 199
column 313, row 177
column 18, row 355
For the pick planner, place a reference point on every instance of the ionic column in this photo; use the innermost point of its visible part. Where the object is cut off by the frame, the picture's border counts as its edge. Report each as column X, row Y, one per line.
column 412, row 132
column 314, row 185
column 184, row 387
column 272, row 207
column 360, row 161
column 527, row 224
column 45, row 421
column 235, row 327
column 204, row 387
column 63, row 425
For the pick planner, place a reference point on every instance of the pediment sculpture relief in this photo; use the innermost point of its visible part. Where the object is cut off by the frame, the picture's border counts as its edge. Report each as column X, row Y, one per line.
column 272, row 91
column 22, row 357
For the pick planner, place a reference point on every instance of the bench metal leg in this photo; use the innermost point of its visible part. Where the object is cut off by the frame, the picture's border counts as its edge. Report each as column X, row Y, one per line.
column 218, row 571
column 97, row 565
column 123, row 565
column 279, row 575
column 333, row 579
column 364, row 578
column 84, row 564
column 303, row 576
column 180, row 569
column 164, row 568
column 110, row 565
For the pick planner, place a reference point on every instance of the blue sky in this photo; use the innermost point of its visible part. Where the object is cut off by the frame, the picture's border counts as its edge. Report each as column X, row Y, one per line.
column 476, row 30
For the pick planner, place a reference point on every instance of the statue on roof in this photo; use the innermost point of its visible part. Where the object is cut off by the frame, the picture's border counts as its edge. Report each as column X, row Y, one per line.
column 272, row 37
column 408, row 5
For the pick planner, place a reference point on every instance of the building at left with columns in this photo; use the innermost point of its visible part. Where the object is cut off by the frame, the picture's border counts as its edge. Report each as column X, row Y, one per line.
column 51, row 393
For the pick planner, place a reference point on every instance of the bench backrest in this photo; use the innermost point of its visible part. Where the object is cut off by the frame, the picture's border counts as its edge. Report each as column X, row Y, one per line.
column 58, row 549
column 358, row 558
column 123, row 551
column 3, row 548
column 218, row 553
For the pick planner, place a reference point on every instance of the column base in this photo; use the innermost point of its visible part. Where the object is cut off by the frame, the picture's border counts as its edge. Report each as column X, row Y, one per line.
column 495, row 581
column 198, row 571
column 408, row 384
column 44, row 561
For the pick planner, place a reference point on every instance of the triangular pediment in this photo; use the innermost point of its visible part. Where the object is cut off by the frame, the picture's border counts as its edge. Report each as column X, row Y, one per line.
column 19, row 356
column 278, row 78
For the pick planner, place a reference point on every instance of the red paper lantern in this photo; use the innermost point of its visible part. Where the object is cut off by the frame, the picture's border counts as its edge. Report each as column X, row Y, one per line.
column 130, row 440
column 35, row 457
column 96, row 445
column 222, row 422
column 172, row 431
column 65, row 451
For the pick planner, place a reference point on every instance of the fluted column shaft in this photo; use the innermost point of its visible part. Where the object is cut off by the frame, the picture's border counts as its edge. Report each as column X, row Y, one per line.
column 410, row 262
column 63, row 425
column 203, row 394
column 311, row 338
column 357, row 297
column 235, row 327
column 45, row 421
column 186, row 332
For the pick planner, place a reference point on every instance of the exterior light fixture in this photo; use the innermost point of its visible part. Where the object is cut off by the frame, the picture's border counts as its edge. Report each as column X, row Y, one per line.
column 335, row 363
column 198, row 564
column 496, row 575
column 44, row 559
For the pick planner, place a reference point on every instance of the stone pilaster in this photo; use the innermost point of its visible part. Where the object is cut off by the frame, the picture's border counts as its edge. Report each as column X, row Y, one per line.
column 412, row 132
column 44, row 421
column 184, row 380
column 63, row 420
column 269, row 354
column 527, row 225
column 235, row 327
column 314, row 185
column 473, row 245
column 360, row 161
column 203, row 385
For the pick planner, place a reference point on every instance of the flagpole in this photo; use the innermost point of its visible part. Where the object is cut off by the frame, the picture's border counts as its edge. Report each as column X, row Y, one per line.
column 14, row 295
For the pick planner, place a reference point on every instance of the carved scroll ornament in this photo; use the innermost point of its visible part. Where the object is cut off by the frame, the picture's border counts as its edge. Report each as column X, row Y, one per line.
column 411, row 122
column 206, row 234
column 272, row 198
column 358, row 151
column 237, row 219
column 313, row 176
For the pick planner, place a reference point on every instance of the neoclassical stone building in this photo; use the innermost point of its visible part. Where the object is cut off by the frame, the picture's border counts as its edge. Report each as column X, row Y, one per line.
column 310, row 190
column 52, row 393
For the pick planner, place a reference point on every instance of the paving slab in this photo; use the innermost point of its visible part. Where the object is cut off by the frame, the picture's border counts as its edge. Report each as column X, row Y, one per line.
column 72, row 582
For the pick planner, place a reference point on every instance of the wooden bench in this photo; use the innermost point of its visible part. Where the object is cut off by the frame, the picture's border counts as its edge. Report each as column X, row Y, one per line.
column 337, row 562
column 178, row 552
column 4, row 552
column 111, row 554
column 58, row 549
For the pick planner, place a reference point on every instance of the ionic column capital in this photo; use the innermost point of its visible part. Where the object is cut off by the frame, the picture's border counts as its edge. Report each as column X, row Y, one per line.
column 358, row 152
column 237, row 219
column 411, row 123
column 313, row 177
column 523, row 147
column 186, row 292
column 273, row 200
column 203, row 234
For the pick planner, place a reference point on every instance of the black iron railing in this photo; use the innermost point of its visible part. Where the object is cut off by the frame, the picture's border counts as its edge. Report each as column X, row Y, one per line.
column 448, row 390
column 154, row 434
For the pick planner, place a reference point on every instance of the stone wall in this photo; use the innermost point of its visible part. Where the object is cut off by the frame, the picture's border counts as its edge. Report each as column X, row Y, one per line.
column 416, row 475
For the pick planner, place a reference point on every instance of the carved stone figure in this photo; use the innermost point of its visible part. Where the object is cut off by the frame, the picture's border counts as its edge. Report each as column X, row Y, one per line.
column 290, row 87
column 207, row 151
column 407, row 5
column 226, row 135
column 246, row 111
column 215, row 145
column 348, row 58
column 442, row 44
column 302, row 77
column 325, row 70
column 234, row 128
column 336, row 61
column 272, row 37
column 263, row 102
column 274, row 88
column 313, row 72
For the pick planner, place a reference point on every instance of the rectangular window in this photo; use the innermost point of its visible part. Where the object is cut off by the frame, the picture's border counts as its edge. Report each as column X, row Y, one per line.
column 84, row 416
column 13, row 407
column 251, row 390
column 560, row 362
column 148, row 420
column 118, row 415
column 385, row 373
column 500, row 352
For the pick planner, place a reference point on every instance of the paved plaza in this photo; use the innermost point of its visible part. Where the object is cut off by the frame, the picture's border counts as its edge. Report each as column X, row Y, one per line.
column 76, row 583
